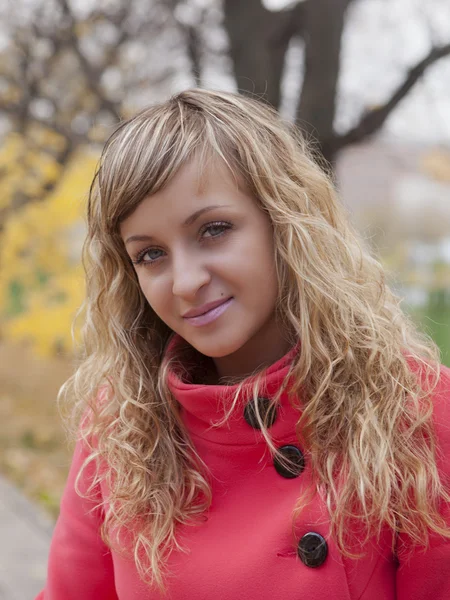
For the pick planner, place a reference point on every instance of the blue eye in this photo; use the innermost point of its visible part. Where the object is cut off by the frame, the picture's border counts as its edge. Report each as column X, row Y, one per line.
column 152, row 253
column 215, row 229
column 209, row 232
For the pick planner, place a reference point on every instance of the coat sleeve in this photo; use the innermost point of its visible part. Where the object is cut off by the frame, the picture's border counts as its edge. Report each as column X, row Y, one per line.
column 80, row 564
column 425, row 574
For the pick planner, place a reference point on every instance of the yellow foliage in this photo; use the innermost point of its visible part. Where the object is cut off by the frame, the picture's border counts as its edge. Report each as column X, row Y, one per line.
column 43, row 137
column 24, row 170
column 42, row 282
column 46, row 323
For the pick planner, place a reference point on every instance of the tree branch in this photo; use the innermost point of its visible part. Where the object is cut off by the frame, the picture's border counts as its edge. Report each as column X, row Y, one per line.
column 15, row 111
column 92, row 75
column 374, row 119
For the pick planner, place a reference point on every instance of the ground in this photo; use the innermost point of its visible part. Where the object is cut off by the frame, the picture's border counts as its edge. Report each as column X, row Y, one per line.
column 34, row 451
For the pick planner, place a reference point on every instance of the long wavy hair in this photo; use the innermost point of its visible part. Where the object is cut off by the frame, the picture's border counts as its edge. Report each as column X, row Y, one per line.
column 366, row 375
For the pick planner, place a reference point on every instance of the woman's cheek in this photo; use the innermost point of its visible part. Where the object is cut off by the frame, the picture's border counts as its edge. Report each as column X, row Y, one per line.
column 145, row 286
column 156, row 295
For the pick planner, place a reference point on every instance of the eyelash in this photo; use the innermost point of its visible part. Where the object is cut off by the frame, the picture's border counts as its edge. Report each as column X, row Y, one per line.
column 139, row 259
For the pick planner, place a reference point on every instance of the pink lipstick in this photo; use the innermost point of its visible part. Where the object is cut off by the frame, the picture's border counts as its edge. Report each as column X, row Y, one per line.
column 207, row 313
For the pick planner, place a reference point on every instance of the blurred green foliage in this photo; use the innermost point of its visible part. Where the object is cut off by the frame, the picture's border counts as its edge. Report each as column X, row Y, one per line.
column 434, row 319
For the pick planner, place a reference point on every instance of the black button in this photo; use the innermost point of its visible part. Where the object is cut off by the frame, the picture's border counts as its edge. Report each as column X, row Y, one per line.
column 312, row 549
column 296, row 461
column 267, row 413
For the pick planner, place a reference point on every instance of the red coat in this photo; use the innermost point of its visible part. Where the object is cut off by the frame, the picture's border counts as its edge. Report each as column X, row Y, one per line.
column 245, row 550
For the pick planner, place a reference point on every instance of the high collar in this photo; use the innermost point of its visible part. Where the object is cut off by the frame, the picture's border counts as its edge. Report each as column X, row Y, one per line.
column 203, row 405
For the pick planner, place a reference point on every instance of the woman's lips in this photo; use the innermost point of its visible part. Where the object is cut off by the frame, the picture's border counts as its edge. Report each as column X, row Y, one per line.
column 210, row 315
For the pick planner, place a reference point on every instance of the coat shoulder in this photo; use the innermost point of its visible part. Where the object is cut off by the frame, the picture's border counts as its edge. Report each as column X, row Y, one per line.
column 441, row 414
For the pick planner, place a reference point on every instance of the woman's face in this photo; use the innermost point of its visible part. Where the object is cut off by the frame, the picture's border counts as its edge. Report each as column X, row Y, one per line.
column 204, row 256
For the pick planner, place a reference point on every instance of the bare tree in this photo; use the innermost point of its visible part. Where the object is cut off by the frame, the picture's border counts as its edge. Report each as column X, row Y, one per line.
column 68, row 75
column 259, row 39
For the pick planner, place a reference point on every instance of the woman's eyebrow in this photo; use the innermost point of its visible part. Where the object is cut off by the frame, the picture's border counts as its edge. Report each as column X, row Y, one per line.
column 138, row 238
column 198, row 213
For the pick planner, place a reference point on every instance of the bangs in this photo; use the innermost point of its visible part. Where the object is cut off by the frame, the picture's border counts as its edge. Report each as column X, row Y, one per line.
column 142, row 157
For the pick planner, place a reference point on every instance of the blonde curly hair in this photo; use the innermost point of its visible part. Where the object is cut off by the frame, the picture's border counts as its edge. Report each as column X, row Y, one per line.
column 365, row 373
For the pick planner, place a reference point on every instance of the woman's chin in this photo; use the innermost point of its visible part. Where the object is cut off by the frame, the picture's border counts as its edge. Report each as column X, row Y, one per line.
column 213, row 349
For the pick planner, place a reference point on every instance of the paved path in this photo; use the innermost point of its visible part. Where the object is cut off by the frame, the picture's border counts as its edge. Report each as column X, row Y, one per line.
column 25, row 535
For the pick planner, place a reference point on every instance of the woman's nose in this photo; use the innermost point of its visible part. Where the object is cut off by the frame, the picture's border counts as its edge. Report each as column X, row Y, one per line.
column 188, row 276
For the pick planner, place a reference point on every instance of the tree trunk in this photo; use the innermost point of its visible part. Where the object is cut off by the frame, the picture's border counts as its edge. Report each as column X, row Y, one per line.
column 324, row 24
column 259, row 40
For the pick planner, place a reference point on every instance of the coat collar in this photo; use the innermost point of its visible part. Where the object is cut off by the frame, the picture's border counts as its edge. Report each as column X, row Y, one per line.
column 204, row 405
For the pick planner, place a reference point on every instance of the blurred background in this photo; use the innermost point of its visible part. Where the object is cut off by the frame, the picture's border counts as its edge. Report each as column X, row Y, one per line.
column 369, row 79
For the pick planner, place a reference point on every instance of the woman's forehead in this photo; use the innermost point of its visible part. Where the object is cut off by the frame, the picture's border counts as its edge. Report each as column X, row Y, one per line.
column 191, row 190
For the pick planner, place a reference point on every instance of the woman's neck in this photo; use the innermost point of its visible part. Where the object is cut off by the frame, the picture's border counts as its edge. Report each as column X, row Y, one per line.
column 259, row 352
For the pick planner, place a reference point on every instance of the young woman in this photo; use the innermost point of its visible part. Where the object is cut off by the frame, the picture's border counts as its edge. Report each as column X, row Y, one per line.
column 258, row 418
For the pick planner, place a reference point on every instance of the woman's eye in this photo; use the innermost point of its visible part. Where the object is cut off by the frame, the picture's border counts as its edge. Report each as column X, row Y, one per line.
column 213, row 230
column 148, row 256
